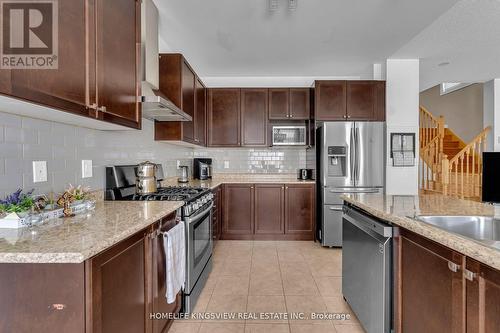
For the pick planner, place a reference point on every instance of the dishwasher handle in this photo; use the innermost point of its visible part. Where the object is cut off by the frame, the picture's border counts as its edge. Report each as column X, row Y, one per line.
column 367, row 223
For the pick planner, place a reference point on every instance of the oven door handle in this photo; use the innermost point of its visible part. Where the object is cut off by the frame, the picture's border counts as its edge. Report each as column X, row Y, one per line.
column 198, row 216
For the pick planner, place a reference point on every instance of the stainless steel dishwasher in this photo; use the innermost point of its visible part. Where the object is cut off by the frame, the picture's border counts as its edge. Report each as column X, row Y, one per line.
column 367, row 269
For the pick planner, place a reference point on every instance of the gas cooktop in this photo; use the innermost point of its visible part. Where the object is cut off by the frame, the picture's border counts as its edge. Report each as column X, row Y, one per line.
column 171, row 193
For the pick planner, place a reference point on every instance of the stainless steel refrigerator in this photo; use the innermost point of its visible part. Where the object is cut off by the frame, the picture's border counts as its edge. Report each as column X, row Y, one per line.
column 351, row 159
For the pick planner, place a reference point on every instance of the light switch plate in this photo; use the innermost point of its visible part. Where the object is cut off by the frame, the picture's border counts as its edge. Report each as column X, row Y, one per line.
column 226, row 164
column 86, row 168
column 39, row 171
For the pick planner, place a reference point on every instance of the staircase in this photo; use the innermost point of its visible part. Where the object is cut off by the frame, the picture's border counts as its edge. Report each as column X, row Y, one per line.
column 448, row 165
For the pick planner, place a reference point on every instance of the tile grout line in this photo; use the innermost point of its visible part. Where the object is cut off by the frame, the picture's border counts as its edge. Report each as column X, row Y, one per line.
column 283, row 287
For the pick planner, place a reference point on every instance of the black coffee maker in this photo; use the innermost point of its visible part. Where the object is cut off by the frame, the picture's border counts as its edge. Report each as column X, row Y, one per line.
column 202, row 168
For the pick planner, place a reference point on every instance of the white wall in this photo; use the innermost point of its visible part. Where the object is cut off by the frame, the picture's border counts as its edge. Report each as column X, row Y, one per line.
column 491, row 115
column 402, row 98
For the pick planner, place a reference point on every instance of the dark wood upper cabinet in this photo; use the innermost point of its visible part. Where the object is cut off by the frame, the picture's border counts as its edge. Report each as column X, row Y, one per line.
column 98, row 63
column 65, row 87
column 238, row 212
column 330, row 100
column 350, row 100
column 200, row 115
column 279, row 103
column 483, row 298
column 254, row 117
column 289, row 103
column 299, row 209
column 117, row 60
column 431, row 286
column 365, row 100
column 269, row 212
column 300, row 103
column 224, row 117
column 180, row 84
column 188, row 101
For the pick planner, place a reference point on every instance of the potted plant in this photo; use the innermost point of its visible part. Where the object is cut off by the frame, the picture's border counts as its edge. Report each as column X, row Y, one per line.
column 79, row 193
column 17, row 202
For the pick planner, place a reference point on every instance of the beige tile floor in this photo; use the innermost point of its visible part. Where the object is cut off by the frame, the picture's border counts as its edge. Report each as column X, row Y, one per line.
column 272, row 277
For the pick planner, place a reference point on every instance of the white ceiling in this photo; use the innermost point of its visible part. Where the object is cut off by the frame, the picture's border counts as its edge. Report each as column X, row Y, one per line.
column 322, row 38
column 467, row 36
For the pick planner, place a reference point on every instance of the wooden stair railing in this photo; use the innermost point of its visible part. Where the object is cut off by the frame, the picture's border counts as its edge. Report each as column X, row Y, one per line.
column 431, row 149
column 462, row 174
column 430, row 127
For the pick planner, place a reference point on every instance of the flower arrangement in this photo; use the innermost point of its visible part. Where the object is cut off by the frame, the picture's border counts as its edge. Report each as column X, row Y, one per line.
column 79, row 192
column 17, row 202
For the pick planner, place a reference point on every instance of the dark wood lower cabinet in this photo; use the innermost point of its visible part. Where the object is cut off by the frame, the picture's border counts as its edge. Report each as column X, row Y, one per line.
column 238, row 211
column 432, row 286
column 300, row 210
column 217, row 214
column 269, row 211
column 158, row 302
column 114, row 291
column 269, row 217
column 483, row 298
column 116, row 281
column 42, row 298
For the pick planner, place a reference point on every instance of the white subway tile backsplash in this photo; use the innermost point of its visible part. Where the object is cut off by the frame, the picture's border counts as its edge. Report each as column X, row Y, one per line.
column 11, row 182
column 253, row 160
column 11, row 150
column 7, row 119
column 36, row 124
column 64, row 146
column 14, row 166
column 13, row 135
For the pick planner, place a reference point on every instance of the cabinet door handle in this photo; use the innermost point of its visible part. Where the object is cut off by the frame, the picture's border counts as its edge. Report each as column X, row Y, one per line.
column 92, row 106
column 469, row 275
column 102, row 109
column 57, row 306
column 453, row 267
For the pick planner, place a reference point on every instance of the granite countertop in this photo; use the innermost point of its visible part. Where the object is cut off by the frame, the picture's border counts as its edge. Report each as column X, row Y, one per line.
column 399, row 209
column 75, row 239
column 245, row 178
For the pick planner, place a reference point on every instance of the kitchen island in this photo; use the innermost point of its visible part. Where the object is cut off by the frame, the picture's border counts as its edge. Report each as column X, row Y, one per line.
column 102, row 271
column 442, row 281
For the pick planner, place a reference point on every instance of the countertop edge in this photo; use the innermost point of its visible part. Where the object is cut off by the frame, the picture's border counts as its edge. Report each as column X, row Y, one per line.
column 465, row 246
column 81, row 257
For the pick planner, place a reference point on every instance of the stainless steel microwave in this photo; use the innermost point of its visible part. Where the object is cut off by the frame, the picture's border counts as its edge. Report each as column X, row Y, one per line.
column 289, row 135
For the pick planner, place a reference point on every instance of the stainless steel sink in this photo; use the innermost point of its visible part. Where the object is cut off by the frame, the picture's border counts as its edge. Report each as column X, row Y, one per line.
column 485, row 229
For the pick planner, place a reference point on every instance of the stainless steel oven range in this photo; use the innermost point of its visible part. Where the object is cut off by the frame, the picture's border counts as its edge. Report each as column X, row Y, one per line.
column 196, row 214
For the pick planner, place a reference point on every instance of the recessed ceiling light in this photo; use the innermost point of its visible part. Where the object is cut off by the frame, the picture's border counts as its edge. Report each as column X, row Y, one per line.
column 273, row 5
column 446, row 63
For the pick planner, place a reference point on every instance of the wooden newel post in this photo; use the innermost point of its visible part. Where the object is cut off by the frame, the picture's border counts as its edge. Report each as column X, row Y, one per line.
column 445, row 174
column 441, row 135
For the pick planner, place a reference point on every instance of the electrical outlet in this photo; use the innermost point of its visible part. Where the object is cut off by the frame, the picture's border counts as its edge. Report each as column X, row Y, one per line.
column 178, row 164
column 39, row 171
column 226, row 164
column 86, row 168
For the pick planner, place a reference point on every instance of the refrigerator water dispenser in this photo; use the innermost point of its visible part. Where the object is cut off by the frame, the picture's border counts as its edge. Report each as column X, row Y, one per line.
column 337, row 161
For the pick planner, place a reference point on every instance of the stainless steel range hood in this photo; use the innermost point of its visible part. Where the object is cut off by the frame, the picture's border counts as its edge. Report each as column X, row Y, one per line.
column 155, row 105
